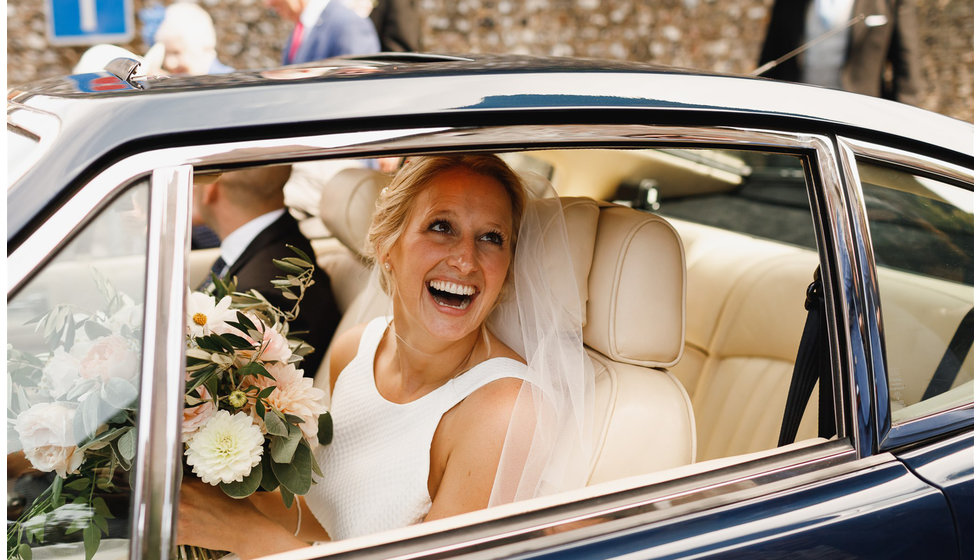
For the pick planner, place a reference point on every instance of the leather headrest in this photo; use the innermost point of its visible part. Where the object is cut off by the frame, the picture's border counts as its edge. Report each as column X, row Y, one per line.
column 637, row 287
column 347, row 205
column 581, row 222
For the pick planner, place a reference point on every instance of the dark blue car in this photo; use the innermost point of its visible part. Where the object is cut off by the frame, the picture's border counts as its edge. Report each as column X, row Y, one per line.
column 778, row 281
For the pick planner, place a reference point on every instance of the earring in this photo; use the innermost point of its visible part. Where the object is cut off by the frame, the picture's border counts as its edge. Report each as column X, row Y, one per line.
column 387, row 266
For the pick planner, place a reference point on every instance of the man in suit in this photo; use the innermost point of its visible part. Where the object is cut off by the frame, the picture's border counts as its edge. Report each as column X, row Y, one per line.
column 878, row 55
column 324, row 29
column 398, row 25
column 245, row 209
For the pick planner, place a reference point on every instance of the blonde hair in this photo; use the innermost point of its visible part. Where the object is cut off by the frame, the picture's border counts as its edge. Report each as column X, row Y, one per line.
column 396, row 201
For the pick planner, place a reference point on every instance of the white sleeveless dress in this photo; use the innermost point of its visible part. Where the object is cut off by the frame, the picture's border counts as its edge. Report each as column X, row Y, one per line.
column 376, row 470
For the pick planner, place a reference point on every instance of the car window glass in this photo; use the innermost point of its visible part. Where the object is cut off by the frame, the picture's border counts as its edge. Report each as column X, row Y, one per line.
column 922, row 234
column 73, row 363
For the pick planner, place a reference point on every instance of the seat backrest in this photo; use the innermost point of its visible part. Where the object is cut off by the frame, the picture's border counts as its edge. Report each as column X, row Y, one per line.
column 745, row 318
column 644, row 421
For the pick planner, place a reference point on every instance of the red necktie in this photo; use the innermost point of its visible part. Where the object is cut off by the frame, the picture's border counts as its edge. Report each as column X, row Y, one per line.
column 295, row 41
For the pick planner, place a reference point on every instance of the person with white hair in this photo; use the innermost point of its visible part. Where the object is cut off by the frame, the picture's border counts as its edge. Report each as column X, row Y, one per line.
column 188, row 38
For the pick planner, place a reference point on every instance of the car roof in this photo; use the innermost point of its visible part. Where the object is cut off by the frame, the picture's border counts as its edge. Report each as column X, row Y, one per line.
column 102, row 118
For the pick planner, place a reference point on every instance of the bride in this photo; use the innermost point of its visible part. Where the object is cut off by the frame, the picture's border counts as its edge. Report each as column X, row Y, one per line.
column 474, row 392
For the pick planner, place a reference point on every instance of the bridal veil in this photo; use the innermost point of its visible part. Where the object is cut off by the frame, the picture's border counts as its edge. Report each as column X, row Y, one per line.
column 549, row 441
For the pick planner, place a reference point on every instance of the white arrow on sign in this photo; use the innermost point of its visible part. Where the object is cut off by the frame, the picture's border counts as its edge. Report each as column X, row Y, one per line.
column 86, row 8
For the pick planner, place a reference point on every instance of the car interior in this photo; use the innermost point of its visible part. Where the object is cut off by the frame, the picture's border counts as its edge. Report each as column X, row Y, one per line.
column 694, row 266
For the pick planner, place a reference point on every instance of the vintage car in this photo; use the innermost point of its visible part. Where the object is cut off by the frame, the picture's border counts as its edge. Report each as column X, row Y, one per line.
column 703, row 208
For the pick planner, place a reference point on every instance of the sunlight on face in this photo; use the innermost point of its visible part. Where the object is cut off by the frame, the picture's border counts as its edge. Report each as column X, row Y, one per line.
column 452, row 260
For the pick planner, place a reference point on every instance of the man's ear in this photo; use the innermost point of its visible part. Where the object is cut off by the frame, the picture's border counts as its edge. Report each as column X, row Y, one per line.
column 209, row 193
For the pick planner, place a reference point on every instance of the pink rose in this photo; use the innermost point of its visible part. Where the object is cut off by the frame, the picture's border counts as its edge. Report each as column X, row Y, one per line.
column 45, row 432
column 108, row 357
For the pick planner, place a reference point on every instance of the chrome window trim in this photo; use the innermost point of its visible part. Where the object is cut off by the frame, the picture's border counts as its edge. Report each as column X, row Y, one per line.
column 827, row 201
column 595, row 510
column 156, row 473
column 890, row 436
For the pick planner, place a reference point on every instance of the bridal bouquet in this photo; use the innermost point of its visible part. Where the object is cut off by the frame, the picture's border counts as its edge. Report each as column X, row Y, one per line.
column 250, row 417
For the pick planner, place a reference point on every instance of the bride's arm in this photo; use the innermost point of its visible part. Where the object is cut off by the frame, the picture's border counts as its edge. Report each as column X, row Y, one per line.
column 466, row 449
column 208, row 518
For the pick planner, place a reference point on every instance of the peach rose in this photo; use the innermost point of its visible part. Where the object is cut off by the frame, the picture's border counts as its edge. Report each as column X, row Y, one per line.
column 45, row 432
column 108, row 357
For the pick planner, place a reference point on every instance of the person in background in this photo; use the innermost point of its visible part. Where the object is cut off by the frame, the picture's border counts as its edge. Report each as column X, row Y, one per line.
column 246, row 209
column 324, row 29
column 397, row 23
column 864, row 46
column 189, row 41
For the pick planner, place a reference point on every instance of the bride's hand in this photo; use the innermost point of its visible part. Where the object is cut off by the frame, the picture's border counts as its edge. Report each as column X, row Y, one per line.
column 209, row 518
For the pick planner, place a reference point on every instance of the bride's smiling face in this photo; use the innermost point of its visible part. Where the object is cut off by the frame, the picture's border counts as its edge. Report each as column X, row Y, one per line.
column 451, row 262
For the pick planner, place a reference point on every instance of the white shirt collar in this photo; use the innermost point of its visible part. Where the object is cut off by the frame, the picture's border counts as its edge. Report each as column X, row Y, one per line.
column 311, row 14
column 237, row 241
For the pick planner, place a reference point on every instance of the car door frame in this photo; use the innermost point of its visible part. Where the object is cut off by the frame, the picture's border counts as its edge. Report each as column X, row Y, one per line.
column 640, row 506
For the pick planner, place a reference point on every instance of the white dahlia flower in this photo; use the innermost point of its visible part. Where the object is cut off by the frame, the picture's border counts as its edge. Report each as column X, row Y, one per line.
column 226, row 448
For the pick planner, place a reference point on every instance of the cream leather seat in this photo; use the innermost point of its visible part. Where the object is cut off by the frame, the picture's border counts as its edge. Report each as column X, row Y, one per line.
column 634, row 330
column 629, row 269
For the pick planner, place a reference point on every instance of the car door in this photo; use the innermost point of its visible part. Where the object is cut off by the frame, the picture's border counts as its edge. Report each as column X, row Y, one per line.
column 96, row 334
column 919, row 226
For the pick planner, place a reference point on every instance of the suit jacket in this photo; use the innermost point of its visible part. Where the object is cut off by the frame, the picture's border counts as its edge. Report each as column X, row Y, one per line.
column 337, row 32
column 870, row 49
column 319, row 314
column 398, row 25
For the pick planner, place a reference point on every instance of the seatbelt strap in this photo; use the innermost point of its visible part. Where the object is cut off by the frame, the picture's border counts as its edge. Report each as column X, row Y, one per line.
column 812, row 365
column 952, row 360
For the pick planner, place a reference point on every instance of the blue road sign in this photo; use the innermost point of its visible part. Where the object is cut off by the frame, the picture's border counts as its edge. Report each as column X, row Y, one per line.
column 87, row 22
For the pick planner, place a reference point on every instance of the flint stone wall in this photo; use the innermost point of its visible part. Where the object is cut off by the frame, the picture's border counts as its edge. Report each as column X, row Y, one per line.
column 715, row 35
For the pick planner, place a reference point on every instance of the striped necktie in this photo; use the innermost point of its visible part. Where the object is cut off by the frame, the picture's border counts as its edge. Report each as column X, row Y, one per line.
column 217, row 269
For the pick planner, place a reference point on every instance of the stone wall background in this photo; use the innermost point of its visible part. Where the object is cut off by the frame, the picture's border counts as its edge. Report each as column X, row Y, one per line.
column 715, row 35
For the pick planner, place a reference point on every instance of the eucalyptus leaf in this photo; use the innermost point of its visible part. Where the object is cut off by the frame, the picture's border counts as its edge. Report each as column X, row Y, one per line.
column 269, row 480
column 120, row 394
column 24, row 550
column 275, row 426
column 296, row 476
column 287, row 497
column 324, row 432
column 284, row 448
column 127, row 445
column 247, row 486
column 88, row 411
